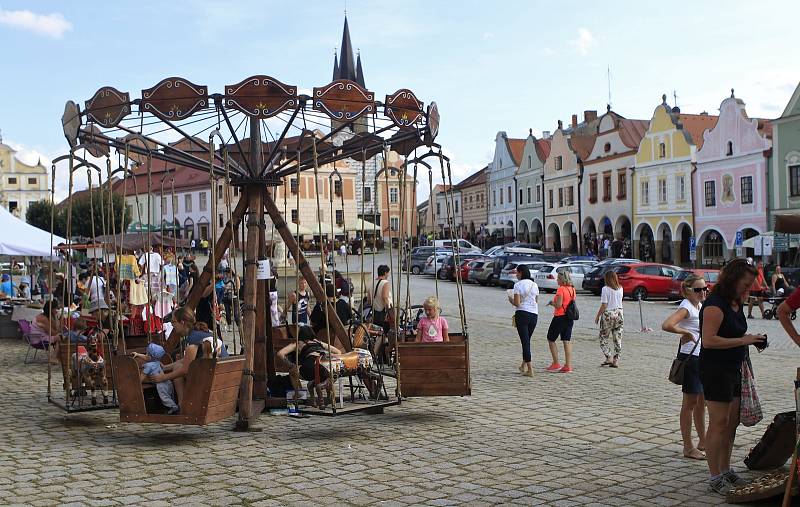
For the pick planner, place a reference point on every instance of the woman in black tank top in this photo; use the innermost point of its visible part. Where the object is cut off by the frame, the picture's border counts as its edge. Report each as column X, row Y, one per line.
column 725, row 343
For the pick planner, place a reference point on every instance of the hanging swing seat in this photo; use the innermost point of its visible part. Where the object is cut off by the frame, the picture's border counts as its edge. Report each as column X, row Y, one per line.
column 435, row 369
column 210, row 394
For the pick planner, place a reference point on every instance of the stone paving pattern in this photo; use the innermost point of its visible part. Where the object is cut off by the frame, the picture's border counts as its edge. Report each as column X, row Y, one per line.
column 597, row 436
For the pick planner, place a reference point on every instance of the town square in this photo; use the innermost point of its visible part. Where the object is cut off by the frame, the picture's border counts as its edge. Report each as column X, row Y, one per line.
column 359, row 253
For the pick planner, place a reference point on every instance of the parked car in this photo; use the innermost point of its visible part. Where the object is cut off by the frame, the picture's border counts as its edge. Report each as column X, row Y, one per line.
column 581, row 258
column 464, row 246
column 647, row 279
column 547, row 277
column 502, row 260
column 594, row 280
column 419, row 256
column 480, row 270
column 508, row 275
column 710, row 275
column 434, row 268
column 496, row 251
column 449, row 267
column 618, row 260
column 554, row 257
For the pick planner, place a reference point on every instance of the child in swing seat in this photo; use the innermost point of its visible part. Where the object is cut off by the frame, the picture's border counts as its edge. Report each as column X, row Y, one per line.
column 432, row 327
column 152, row 366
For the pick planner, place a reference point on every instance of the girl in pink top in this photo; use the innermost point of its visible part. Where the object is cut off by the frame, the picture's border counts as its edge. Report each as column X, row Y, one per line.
column 432, row 327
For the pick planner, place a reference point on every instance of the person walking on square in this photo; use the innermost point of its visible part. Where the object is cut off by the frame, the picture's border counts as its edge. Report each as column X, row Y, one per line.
column 758, row 291
column 525, row 298
column 611, row 319
column 561, row 325
column 685, row 321
column 724, row 348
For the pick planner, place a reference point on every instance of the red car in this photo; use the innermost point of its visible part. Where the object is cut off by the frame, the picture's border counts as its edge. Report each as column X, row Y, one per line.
column 640, row 281
column 710, row 275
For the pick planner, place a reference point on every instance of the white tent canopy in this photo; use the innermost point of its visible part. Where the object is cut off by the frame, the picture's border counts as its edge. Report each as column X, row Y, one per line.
column 20, row 238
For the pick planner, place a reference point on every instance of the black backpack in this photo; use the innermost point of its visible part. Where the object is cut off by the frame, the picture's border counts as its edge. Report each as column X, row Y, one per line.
column 571, row 312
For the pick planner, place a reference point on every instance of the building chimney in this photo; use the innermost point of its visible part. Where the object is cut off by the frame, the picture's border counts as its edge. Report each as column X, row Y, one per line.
column 589, row 116
column 574, row 120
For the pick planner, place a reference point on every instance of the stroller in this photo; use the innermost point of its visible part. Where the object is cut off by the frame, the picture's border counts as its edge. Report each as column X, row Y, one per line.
column 775, row 301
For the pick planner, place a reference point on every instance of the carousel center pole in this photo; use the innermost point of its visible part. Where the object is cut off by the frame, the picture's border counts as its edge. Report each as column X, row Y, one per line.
column 255, row 218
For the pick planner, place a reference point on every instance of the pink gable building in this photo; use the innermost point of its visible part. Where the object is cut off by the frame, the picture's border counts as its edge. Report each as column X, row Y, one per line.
column 730, row 183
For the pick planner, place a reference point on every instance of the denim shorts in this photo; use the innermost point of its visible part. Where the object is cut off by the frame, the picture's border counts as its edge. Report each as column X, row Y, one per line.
column 691, row 374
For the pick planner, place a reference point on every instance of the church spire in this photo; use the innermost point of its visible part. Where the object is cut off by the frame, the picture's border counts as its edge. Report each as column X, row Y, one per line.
column 347, row 64
column 359, row 72
column 335, row 66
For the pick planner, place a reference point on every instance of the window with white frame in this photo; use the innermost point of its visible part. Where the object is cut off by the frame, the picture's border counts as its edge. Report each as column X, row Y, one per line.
column 187, row 203
column 662, row 191
column 529, row 195
column 711, row 193
column 644, row 197
column 393, row 195
column 746, row 189
column 203, row 201
column 394, row 223
column 680, row 187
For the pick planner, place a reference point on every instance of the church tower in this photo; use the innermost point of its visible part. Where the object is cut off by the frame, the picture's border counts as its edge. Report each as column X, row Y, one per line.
column 348, row 66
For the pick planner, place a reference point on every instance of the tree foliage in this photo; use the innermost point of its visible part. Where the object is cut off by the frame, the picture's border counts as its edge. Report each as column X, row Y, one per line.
column 84, row 210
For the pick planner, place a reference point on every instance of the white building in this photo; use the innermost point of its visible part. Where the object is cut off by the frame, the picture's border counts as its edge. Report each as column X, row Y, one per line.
column 502, row 186
column 21, row 184
column 530, row 190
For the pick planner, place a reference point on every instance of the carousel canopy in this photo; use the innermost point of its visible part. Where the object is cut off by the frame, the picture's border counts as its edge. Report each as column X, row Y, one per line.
column 137, row 241
column 358, row 224
column 20, row 238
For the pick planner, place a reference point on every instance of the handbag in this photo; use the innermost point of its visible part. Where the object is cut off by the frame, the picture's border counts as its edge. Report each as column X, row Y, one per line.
column 571, row 312
column 750, row 412
column 678, row 367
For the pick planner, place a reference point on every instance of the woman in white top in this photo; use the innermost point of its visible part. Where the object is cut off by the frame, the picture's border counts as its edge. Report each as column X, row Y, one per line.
column 686, row 323
column 525, row 298
column 611, row 319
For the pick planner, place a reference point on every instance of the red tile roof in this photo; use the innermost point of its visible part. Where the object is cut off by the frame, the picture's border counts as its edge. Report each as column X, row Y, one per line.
column 582, row 145
column 696, row 124
column 478, row 178
column 185, row 178
column 543, row 149
column 765, row 128
column 516, row 147
column 631, row 132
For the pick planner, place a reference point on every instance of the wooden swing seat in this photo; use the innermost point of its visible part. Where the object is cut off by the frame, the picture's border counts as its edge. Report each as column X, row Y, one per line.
column 210, row 394
column 435, row 369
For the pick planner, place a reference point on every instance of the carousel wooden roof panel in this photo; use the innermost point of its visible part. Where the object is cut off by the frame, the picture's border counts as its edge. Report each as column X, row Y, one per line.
column 261, row 96
column 173, row 99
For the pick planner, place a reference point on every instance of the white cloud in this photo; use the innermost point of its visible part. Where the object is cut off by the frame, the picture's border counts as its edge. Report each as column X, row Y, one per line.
column 488, row 35
column 51, row 25
column 584, row 42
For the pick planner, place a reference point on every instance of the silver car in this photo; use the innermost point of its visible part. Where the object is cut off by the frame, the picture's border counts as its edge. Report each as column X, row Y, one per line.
column 483, row 273
column 433, row 268
column 508, row 275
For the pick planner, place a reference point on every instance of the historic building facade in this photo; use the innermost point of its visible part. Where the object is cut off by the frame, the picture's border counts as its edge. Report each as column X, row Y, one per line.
column 21, row 184
column 501, row 185
column 475, row 207
column 730, row 182
column 662, row 185
column 784, row 174
column 530, row 190
column 397, row 200
column 606, row 184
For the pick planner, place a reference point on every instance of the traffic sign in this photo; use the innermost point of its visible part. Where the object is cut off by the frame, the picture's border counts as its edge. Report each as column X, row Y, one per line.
column 692, row 248
column 739, row 238
column 781, row 243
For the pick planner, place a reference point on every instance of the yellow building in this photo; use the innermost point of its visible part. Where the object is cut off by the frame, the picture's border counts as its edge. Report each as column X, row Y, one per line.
column 21, row 184
column 662, row 184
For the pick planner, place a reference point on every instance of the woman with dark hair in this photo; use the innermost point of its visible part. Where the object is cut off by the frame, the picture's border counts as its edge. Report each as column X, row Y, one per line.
column 380, row 297
column 525, row 298
column 724, row 347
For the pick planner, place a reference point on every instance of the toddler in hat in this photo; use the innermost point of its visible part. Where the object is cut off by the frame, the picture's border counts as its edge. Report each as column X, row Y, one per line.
column 152, row 366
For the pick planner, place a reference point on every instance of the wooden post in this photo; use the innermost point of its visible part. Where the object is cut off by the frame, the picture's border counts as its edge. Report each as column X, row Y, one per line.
column 311, row 277
column 260, row 348
column 270, row 352
column 787, row 494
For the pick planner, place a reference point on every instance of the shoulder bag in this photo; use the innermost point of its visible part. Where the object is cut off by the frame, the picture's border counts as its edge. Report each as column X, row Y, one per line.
column 750, row 412
column 571, row 312
column 678, row 368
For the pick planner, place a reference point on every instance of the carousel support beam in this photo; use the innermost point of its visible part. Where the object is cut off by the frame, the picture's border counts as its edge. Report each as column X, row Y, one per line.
column 263, row 329
column 270, row 355
column 338, row 328
column 249, row 318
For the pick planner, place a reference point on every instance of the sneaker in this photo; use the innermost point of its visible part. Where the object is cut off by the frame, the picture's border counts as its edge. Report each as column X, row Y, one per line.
column 566, row 369
column 720, row 485
column 734, row 478
column 553, row 368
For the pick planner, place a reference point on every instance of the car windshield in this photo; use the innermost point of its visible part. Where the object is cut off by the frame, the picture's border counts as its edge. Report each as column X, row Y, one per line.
column 682, row 275
column 510, row 266
column 620, row 270
column 712, row 277
column 546, row 269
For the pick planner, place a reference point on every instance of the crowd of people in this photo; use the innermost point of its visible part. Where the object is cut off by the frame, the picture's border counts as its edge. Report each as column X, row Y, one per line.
column 713, row 349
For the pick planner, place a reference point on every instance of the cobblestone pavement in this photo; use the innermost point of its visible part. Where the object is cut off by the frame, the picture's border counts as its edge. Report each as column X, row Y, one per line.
column 594, row 437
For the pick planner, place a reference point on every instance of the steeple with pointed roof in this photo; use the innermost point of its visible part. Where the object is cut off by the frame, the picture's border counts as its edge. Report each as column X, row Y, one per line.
column 347, row 65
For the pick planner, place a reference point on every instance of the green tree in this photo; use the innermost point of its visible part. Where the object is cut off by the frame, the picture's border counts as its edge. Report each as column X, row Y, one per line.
column 39, row 215
column 83, row 207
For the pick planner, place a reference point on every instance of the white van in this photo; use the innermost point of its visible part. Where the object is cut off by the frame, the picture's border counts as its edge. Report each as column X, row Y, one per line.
column 464, row 246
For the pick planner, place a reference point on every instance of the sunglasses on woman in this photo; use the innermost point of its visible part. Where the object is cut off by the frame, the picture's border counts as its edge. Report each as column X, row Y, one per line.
column 698, row 290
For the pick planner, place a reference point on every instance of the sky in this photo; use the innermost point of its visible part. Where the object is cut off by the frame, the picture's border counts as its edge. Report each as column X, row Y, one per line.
column 490, row 66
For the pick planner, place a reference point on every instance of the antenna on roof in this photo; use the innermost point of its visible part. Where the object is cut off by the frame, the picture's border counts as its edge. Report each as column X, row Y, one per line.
column 675, row 97
column 608, row 74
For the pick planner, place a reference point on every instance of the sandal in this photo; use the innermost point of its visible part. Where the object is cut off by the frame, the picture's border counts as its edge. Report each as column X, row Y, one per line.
column 695, row 454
